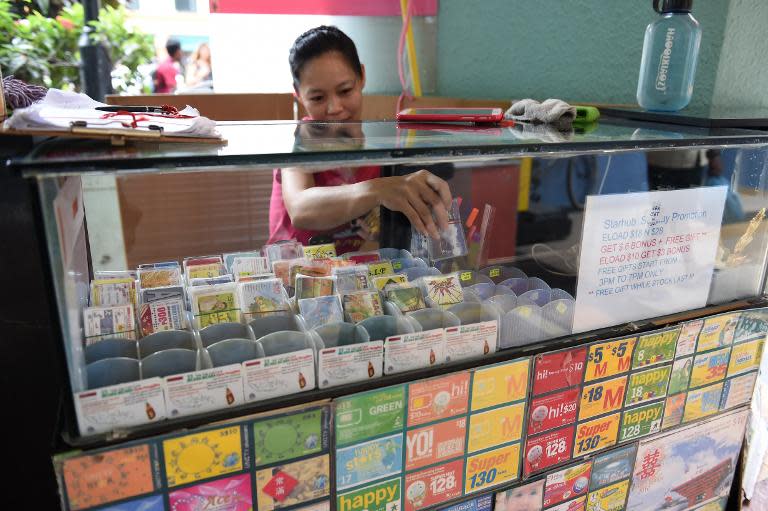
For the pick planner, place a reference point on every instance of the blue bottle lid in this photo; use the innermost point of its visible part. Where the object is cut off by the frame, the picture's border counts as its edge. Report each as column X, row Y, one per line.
column 665, row 6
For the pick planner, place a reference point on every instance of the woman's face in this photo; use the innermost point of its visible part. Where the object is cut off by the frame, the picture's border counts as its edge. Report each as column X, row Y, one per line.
column 330, row 90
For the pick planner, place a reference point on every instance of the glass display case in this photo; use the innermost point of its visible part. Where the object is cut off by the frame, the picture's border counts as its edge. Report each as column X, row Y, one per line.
column 177, row 309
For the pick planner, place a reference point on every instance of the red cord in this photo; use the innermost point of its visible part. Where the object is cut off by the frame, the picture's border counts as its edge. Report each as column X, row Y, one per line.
column 169, row 112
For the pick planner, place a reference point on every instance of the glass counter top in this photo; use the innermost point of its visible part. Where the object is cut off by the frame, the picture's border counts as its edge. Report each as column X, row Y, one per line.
column 315, row 145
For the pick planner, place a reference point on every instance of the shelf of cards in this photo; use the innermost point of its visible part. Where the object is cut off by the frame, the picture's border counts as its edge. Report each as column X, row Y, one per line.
column 600, row 425
column 174, row 340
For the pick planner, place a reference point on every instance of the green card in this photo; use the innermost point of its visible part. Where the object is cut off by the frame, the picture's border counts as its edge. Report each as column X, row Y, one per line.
column 384, row 496
column 647, row 385
column 641, row 421
column 655, row 348
column 369, row 414
column 290, row 436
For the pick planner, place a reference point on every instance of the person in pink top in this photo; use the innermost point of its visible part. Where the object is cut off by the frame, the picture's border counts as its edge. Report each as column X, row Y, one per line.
column 164, row 77
column 328, row 80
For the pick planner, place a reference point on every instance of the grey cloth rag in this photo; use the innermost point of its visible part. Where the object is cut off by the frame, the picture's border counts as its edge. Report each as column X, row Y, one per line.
column 551, row 111
column 540, row 132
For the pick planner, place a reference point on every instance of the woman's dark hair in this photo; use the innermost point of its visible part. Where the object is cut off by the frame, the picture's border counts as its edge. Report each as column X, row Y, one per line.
column 320, row 40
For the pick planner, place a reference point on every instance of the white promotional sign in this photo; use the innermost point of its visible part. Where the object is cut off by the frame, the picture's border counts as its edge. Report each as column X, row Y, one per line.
column 646, row 254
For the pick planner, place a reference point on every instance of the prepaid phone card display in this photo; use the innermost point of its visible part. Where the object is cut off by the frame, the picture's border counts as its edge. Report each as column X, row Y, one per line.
column 606, row 359
column 612, row 466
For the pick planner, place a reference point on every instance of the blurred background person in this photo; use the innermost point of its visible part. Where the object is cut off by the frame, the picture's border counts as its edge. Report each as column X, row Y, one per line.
column 199, row 74
column 164, row 79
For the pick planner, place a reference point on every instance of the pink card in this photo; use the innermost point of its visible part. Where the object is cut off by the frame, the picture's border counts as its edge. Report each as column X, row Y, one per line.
column 229, row 494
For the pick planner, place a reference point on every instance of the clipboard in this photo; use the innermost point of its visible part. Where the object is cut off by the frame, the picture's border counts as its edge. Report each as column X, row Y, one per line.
column 115, row 136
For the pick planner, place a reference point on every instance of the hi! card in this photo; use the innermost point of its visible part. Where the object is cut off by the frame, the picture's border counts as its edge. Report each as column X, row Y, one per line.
column 567, row 483
column 407, row 297
column 113, row 292
column 113, row 321
column 438, row 398
column 312, row 287
column 433, row 485
column 159, row 276
column 162, row 315
column 95, row 479
column 351, row 278
column 548, row 449
column 553, row 410
column 558, row 370
column 443, row 290
column 321, row 310
column 261, row 297
column 361, row 305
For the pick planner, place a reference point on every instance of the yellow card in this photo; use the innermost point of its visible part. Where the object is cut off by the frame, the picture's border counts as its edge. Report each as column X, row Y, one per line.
column 717, row 331
column 325, row 251
column 203, row 455
column 500, row 384
column 702, row 402
column 596, row 435
column 492, row 468
column 496, row 427
column 745, row 357
column 609, row 358
column 610, row 497
column 381, row 282
column 205, row 271
column 709, row 367
column 603, row 397
column 380, row 268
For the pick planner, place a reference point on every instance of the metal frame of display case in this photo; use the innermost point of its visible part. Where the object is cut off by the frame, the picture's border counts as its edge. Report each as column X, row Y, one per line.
column 27, row 166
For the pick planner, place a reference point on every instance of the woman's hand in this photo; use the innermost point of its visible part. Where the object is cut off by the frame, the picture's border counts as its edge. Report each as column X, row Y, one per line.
column 417, row 196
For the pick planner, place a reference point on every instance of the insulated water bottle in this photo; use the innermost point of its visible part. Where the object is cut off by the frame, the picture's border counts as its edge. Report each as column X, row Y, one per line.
column 670, row 51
